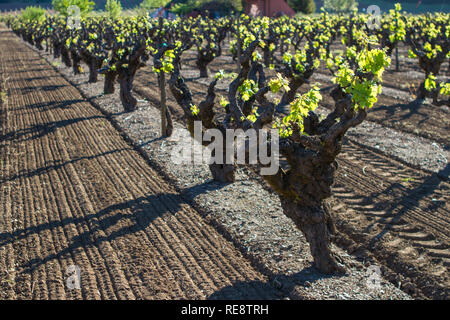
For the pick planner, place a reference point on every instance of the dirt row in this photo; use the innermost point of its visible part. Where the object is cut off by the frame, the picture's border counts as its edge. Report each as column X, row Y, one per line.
column 74, row 193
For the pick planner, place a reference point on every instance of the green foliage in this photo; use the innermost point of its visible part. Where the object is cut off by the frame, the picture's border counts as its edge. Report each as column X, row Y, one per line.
column 113, row 8
column 222, row 75
column 33, row 13
column 411, row 54
column 62, row 6
column 300, row 108
column 185, row 8
column 364, row 92
column 194, row 110
column 397, row 26
column 167, row 62
column 445, row 89
column 153, row 4
column 234, row 4
column 248, row 89
column 340, row 5
column 188, row 6
column 304, row 6
column 430, row 83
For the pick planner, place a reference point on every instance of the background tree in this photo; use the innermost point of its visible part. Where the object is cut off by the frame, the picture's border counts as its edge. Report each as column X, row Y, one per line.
column 340, row 5
column 222, row 6
column 304, row 6
column 113, row 8
column 62, row 6
column 33, row 13
column 186, row 7
column 153, row 4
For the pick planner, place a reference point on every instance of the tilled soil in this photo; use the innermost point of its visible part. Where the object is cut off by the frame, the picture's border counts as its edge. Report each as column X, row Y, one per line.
column 74, row 193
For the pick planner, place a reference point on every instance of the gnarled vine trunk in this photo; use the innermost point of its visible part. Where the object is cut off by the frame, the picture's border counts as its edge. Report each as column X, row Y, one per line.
column 65, row 56
column 430, row 67
column 110, row 79
column 316, row 223
column 202, row 65
column 93, row 71
column 222, row 172
column 126, row 85
column 294, row 84
column 76, row 62
column 310, row 150
column 56, row 50
column 94, row 65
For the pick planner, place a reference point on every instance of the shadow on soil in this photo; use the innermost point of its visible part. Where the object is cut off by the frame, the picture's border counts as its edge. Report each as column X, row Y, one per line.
column 57, row 166
column 135, row 216
column 119, row 219
column 407, row 110
column 42, row 88
column 405, row 199
column 40, row 130
column 278, row 287
column 50, row 105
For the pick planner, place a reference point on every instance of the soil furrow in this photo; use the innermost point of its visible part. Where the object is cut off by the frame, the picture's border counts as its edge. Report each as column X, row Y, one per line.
column 88, row 199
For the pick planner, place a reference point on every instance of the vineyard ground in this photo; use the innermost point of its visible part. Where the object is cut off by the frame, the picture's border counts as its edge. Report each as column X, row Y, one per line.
column 387, row 212
column 78, row 194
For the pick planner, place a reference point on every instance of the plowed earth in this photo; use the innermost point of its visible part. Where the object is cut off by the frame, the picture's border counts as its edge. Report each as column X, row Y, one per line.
column 74, row 193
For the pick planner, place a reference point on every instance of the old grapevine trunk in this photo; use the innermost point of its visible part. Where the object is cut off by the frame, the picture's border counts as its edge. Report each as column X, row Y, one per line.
column 316, row 224
column 65, row 56
column 94, row 64
column 126, row 84
column 202, row 65
column 310, row 150
column 93, row 70
column 76, row 62
column 110, row 79
column 303, row 199
column 56, row 50
column 220, row 172
column 430, row 67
